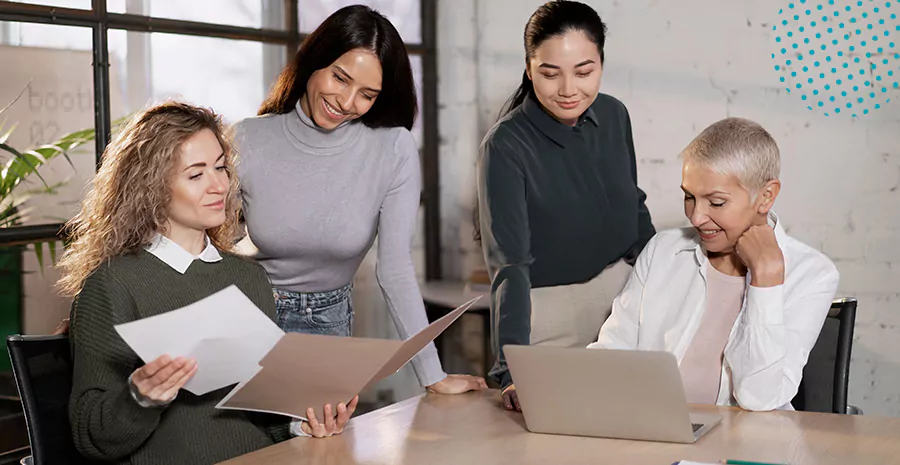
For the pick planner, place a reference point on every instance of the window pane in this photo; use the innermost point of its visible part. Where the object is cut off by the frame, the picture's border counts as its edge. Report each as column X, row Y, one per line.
column 53, row 65
column 404, row 14
column 80, row 4
column 267, row 14
column 199, row 70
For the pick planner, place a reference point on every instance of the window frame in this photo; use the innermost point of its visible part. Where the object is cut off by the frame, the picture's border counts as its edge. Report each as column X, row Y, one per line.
column 100, row 21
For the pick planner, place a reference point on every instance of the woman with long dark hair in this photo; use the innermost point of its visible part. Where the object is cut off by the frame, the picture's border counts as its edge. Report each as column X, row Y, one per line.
column 560, row 215
column 328, row 165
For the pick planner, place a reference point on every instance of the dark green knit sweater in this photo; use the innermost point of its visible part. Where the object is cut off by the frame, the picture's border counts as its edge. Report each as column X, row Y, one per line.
column 107, row 424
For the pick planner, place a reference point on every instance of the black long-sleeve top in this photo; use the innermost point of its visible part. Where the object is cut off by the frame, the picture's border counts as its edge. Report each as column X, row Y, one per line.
column 558, row 204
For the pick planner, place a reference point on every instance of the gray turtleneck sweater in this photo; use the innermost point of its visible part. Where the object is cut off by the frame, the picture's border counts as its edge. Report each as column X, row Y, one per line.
column 314, row 201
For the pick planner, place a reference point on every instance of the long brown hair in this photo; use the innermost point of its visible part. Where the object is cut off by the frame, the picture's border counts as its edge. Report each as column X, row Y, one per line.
column 130, row 195
column 352, row 27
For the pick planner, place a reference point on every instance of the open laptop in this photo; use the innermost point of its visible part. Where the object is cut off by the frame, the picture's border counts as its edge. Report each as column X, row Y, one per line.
column 623, row 394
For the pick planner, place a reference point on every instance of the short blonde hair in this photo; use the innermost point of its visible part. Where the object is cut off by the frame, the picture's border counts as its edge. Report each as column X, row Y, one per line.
column 129, row 198
column 739, row 147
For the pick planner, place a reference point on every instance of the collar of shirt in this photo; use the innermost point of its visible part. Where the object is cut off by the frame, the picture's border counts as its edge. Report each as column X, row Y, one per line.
column 179, row 259
column 693, row 243
column 553, row 129
column 306, row 135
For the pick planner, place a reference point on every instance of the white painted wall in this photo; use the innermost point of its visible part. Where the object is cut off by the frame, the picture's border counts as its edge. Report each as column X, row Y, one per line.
column 679, row 66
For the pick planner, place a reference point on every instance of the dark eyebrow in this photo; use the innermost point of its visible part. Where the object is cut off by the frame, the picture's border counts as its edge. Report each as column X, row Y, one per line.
column 202, row 164
column 579, row 65
column 350, row 78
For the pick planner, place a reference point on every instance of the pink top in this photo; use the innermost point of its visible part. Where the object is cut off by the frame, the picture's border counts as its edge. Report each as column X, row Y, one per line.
column 701, row 366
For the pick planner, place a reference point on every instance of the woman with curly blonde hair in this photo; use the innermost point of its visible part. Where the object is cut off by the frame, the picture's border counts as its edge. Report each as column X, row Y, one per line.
column 129, row 201
column 155, row 234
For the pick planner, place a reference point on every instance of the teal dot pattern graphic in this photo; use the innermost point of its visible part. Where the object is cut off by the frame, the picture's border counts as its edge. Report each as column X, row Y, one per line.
column 839, row 57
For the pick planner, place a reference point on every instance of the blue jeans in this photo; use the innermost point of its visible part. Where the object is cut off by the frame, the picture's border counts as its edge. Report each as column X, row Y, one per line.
column 329, row 313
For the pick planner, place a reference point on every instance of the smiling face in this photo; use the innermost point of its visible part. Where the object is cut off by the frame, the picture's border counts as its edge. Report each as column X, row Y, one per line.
column 344, row 91
column 199, row 186
column 720, row 208
column 566, row 72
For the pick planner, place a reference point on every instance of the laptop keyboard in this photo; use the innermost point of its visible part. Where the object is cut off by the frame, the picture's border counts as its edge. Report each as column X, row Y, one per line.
column 696, row 426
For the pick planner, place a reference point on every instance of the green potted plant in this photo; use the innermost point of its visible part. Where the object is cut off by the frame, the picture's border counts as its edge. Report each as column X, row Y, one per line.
column 18, row 168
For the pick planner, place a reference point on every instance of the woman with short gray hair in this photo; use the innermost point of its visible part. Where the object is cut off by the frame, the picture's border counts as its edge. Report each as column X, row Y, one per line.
column 737, row 301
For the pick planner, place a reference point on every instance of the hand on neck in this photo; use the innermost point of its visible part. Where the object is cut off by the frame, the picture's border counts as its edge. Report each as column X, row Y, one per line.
column 729, row 262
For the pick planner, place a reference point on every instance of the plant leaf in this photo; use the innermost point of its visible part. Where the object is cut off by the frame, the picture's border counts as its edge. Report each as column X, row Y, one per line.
column 52, row 247
column 17, row 97
column 52, row 190
column 5, row 136
column 17, row 217
column 21, row 165
column 39, row 253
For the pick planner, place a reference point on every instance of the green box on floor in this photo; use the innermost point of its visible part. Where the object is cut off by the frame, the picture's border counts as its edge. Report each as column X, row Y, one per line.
column 10, row 298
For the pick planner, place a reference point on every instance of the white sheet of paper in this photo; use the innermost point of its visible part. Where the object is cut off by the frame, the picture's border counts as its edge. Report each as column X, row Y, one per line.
column 226, row 332
column 222, row 362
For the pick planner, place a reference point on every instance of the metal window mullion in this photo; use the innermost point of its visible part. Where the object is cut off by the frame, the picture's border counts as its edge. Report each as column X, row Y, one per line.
column 102, row 120
column 430, row 162
column 28, row 13
column 19, row 235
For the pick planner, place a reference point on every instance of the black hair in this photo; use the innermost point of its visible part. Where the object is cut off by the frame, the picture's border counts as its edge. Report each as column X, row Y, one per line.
column 553, row 19
column 347, row 29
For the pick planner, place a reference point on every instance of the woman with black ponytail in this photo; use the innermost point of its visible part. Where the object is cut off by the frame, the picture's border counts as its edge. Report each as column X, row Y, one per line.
column 559, row 214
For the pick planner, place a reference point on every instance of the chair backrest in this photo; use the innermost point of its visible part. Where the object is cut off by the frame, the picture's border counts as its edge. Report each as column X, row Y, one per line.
column 42, row 366
column 827, row 373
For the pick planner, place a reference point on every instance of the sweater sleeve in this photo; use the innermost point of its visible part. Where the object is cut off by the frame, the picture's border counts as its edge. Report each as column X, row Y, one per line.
column 107, row 423
column 506, row 243
column 259, row 290
column 394, row 269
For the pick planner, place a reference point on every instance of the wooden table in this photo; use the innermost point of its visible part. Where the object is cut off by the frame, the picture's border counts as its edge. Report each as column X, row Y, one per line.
column 473, row 429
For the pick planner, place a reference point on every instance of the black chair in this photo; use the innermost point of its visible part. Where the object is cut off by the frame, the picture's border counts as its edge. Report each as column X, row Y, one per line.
column 42, row 366
column 827, row 372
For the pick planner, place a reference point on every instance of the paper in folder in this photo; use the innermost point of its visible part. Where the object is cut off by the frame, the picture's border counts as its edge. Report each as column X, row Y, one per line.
column 234, row 342
column 308, row 370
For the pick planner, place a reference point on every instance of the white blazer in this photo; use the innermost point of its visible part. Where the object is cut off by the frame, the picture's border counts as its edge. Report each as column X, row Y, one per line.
column 663, row 302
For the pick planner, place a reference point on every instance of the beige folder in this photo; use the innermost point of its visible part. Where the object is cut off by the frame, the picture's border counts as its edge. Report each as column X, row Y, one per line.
column 307, row 370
